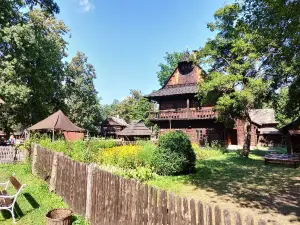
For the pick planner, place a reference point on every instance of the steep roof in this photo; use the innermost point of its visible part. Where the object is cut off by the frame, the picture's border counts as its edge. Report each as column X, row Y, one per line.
column 136, row 128
column 175, row 90
column 119, row 121
column 57, row 121
column 263, row 116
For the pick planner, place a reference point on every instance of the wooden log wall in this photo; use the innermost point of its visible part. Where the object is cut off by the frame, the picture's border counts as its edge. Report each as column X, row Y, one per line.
column 108, row 199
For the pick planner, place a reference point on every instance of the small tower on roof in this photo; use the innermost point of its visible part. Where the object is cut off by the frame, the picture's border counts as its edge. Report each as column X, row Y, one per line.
column 185, row 65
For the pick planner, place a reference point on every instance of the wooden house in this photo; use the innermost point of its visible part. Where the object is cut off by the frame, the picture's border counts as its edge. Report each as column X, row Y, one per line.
column 291, row 132
column 179, row 109
column 111, row 126
column 136, row 130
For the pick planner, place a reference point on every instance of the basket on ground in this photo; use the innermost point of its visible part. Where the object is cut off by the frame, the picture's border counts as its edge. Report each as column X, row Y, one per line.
column 59, row 217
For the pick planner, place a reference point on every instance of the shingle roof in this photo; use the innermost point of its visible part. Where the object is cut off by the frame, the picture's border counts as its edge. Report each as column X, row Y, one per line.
column 263, row 116
column 119, row 121
column 137, row 128
column 269, row 130
column 175, row 90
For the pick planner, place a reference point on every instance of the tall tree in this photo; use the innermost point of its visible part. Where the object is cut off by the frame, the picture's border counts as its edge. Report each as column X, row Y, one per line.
column 81, row 96
column 133, row 107
column 167, row 68
column 31, row 68
column 277, row 21
column 234, row 84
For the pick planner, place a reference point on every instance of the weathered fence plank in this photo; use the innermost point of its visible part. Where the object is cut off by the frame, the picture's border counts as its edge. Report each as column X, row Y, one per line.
column 200, row 213
column 218, row 216
column 227, row 220
column 208, row 215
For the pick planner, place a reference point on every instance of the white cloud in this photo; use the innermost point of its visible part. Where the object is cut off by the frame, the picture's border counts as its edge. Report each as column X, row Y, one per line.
column 86, row 5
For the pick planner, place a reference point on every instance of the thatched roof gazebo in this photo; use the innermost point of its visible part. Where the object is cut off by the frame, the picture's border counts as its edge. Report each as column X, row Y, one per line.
column 136, row 129
column 56, row 122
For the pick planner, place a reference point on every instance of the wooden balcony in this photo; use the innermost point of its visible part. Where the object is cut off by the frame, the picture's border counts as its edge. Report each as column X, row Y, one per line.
column 202, row 114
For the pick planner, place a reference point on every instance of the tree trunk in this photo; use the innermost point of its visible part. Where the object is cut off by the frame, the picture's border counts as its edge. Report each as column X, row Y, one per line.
column 247, row 137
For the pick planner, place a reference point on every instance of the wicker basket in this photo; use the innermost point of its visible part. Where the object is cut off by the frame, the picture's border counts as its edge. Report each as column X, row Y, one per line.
column 59, row 217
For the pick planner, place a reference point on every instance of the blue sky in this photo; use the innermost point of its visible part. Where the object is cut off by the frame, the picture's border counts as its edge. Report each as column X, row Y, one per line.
column 126, row 39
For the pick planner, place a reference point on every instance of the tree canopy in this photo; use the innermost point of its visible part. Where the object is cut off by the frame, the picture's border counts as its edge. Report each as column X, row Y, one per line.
column 167, row 68
column 133, row 107
column 81, row 96
column 34, row 79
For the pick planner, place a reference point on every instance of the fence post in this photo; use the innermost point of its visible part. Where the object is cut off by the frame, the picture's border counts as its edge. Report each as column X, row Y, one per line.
column 53, row 176
column 91, row 169
column 34, row 158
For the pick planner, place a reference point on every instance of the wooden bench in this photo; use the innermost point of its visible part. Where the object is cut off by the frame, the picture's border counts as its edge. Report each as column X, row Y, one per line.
column 285, row 161
column 7, row 202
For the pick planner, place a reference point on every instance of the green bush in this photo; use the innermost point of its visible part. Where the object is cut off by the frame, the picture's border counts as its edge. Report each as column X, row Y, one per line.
column 174, row 154
column 147, row 153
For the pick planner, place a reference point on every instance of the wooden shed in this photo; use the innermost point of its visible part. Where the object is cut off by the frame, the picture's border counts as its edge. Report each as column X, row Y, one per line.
column 135, row 130
column 291, row 132
column 112, row 125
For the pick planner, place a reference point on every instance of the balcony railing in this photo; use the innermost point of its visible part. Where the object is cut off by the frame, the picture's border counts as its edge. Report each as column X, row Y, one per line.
column 183, row 114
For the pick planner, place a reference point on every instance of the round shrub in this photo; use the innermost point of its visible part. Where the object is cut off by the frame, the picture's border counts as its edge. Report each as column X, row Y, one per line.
column 174, row 154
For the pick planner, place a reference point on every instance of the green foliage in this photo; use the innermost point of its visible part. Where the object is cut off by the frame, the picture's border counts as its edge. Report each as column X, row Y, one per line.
column 281, row 104
column 82, row 151
column 140, row 173
column 166, row 70
column 133, row 107
column 31, row 68
column 147, row 153
column 174, row 154
column 82, row 100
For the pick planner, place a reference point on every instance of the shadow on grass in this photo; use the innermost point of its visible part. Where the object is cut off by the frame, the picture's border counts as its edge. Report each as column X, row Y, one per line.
column 249, row 183
column 31, row 200
column 17, row 210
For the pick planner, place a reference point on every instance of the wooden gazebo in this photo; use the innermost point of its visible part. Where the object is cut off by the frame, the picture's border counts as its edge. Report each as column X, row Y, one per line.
column 57, row 122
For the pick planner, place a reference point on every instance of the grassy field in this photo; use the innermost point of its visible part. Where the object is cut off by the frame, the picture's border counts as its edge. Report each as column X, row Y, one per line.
column 35, row 200
column 245, row 185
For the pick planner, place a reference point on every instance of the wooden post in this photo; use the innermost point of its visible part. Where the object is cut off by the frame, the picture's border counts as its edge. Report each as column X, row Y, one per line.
column 53, row 134
column 188, row 103
column 170, row 124
column 34, row 158
column 90, row 172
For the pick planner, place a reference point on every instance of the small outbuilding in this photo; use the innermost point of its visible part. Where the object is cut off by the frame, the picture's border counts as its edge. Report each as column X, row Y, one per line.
column 112, row 125
column 135, row 130
column 291, row 132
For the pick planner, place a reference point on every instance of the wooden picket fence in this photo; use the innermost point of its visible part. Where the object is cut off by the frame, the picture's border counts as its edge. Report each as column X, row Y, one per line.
column 104, row 198
column 10, row 154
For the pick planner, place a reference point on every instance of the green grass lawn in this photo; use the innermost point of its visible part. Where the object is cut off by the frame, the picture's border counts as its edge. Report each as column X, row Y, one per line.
column 269, row 191
column 35, row 200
